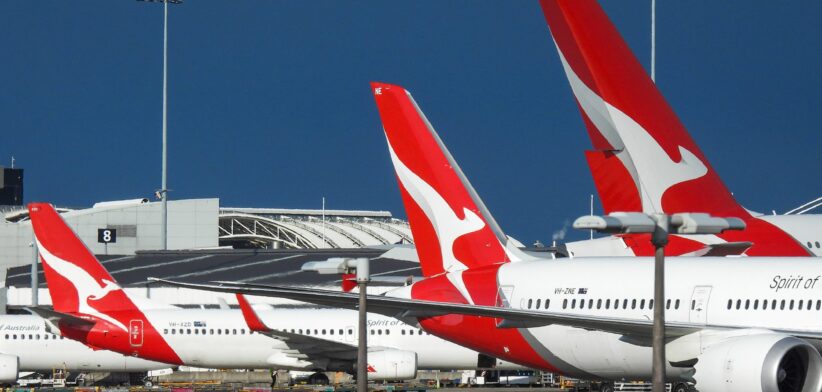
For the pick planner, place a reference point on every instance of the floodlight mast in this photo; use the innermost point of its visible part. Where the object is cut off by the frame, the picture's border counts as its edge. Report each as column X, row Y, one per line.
column 340, row 265
column 163, row 191
column 659, row 226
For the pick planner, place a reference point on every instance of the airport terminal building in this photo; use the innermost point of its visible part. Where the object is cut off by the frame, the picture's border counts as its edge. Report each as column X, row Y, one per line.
column 205, row 242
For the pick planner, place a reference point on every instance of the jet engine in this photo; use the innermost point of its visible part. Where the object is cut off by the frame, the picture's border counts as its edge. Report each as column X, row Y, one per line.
column 392, row 365
column 766, row 362
column 8, row 368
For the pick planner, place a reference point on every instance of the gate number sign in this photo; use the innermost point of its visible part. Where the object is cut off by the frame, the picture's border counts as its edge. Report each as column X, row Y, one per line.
column 106, row 236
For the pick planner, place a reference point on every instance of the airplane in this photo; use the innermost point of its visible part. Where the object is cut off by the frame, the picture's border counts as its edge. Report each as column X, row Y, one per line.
column 26, row 346
column 643, row 158
column 90, row 307
column 732, row 324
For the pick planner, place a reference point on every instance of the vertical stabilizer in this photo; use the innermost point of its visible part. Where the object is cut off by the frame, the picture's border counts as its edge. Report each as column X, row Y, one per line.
column 452, row 228
column 628, row 117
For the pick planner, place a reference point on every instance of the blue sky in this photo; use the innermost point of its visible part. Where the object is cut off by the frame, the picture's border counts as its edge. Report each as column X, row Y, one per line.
column 270, row 104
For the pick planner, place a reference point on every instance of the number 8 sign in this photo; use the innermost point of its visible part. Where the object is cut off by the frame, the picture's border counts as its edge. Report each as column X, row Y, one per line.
column 106, row 236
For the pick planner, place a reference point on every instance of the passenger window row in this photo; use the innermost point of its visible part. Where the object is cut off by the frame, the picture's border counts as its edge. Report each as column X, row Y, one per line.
column 774, row 304
column 591, row 303
column 203, row 331
column 36, row 336
column 810, row 246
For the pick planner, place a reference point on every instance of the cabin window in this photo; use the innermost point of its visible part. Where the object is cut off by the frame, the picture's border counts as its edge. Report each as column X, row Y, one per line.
column 633, row 304
column 642, row 304
column 650, row 304
column 756, row 304
column 625, row 303
column 668, row 304
column 565, row 303
column 591, row 303
column 165, row 332
column 791, row 305
column 539, row 302
column 373, row 332
column 676, row 304
column 747, row 304
column 782, row 305
column 800, row 304
column 599, row 303
column 608, row 303
column 547, row 303
column 818, row 304
column 810, row 304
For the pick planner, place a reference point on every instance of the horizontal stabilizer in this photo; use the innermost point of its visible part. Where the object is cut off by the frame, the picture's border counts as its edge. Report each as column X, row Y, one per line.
column 55, row 319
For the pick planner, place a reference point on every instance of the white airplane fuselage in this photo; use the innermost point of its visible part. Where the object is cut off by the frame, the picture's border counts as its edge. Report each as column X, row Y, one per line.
column 217, row 338
column 730, row 296
column 26, row 338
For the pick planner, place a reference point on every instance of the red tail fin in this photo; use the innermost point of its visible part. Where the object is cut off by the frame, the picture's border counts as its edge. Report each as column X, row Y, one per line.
column 452, row 228
column 74, row 275
column 626, row 115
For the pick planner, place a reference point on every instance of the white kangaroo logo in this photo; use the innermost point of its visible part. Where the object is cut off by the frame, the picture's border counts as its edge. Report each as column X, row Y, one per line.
column 447, row 224
column 652, row 169
column 86, row 286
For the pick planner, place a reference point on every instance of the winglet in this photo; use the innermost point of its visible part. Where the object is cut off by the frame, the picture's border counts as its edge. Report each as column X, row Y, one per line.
column 349, row 282
column 251, row 318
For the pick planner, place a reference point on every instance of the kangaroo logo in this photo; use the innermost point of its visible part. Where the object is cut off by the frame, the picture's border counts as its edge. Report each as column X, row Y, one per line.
column 652, row 169
column 86, row 286
column 447, row 224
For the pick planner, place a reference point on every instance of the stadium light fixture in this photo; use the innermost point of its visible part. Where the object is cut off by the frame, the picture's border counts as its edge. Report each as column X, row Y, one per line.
column 659, row 226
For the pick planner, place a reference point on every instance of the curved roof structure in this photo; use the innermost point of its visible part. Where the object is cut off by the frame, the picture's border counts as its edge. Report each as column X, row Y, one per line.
column 309, row 229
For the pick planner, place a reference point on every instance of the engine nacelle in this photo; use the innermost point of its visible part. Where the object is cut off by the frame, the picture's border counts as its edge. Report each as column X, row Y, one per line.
column 392, row 365
column 9, row 366
column 767, row 362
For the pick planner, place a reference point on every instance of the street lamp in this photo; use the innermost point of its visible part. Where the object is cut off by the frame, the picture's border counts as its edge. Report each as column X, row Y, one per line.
column 341, row 265
column 163, row 191
column 659, row 226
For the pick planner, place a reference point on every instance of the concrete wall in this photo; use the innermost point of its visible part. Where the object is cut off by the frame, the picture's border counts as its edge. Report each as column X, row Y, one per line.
column 191, row 224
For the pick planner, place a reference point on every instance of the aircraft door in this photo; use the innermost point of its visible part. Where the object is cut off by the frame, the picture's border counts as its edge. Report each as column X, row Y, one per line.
column 504, row 296
column 135, row 333
column 699, row 304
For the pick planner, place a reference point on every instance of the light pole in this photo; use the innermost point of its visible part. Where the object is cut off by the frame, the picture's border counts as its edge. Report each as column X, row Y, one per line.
column 659, row 226
column 340, row 265
column 35, row 285
column 163, row 192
